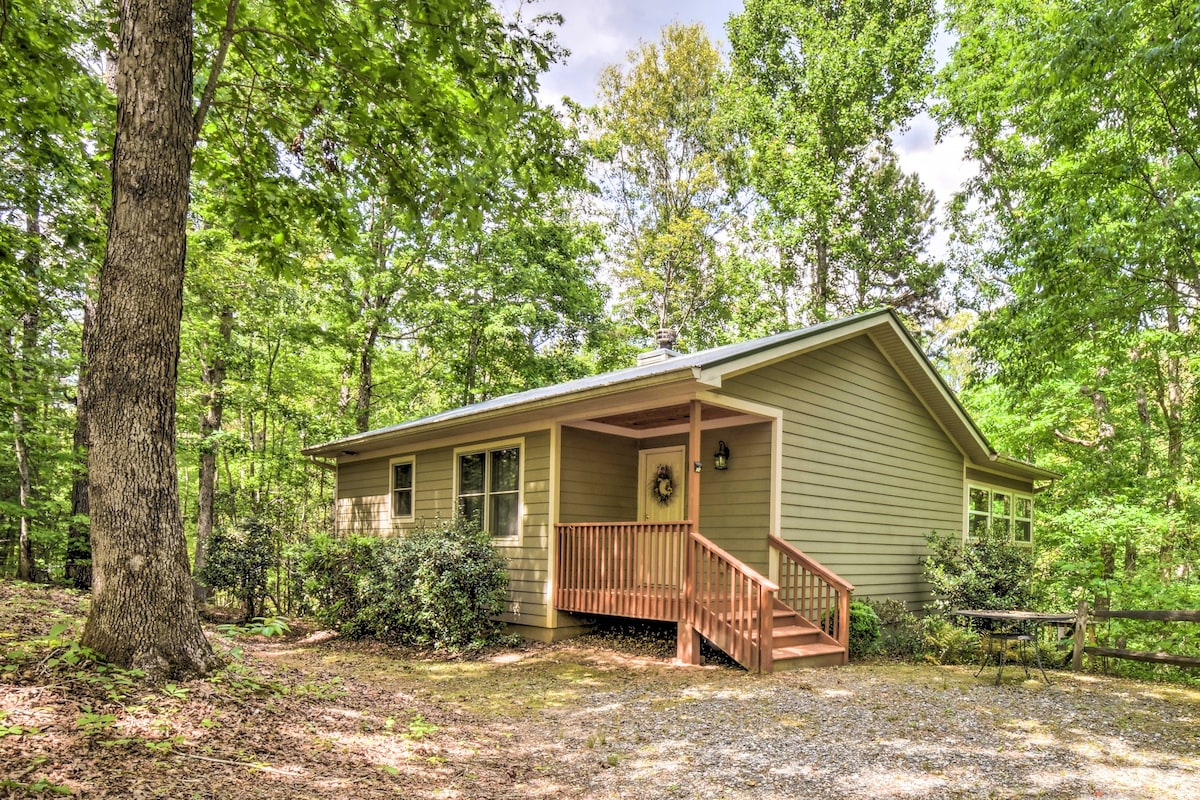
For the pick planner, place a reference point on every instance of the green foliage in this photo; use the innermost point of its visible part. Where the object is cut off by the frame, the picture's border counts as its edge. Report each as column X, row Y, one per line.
column 901, row 635
column 818, row 88
column 984, row 572
column 666, row 164
column 864, row 630
column 238, row 561
column 439, row 585
column 948, row 643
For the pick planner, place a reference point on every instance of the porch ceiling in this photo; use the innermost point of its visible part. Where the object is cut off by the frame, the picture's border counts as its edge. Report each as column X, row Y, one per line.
column 664, row 417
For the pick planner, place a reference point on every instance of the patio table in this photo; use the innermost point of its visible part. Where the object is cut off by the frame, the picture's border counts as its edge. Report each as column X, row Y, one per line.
column 1018, row 626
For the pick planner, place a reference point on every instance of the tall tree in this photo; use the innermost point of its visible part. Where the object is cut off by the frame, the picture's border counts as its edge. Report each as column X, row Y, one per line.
column 52, row 109
column 819, row 86
column 663, row 164
column 142, row 613
column 1083, row 120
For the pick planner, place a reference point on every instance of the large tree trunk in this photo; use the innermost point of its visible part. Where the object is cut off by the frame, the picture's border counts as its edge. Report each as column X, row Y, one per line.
column 212, row 374
column 142, row 614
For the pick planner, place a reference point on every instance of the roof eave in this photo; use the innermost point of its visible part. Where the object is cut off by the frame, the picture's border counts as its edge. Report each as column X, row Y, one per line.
column 436, row 424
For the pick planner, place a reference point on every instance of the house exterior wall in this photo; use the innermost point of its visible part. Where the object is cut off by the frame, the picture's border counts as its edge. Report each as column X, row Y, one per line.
column 362, row 507
column 867, row 472
column 735, row 504
column 598, row 477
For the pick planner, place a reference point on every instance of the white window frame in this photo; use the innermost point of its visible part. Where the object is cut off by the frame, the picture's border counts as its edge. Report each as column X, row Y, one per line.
column 487, row 448
column 391, row 501
column 1012, row 518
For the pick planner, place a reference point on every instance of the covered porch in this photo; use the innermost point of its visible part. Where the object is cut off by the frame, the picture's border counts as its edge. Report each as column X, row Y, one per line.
column 700, row 550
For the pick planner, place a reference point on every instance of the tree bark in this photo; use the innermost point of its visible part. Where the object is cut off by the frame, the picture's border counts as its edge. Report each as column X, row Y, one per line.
column 212, row 374
column 142, row 614
column 79, row 543
column 25, row 385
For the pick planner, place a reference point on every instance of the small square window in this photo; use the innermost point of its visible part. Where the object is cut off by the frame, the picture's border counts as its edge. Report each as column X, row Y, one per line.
column 402, row 490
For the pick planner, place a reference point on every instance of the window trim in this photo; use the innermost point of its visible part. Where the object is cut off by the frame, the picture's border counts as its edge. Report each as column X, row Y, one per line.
column 487, row 448
column 391, row 498
column 1014, row 498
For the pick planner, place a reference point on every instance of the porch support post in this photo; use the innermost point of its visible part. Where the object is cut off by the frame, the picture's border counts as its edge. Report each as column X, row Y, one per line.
column 687, row 647
column 693, row 484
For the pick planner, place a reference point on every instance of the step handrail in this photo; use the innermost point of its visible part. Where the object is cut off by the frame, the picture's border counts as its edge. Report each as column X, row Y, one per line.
column 811, row 589
column 729, row 603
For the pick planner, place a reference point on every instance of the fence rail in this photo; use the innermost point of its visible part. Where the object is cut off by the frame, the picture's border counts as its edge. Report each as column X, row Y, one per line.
column 1081, row 648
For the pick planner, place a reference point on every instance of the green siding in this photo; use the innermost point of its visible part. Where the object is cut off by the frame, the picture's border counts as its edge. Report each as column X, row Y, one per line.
column 867, row 473
column 362, row 508
column 598, row 477
column 735, row 504
column 989, row 479
column 362, row 497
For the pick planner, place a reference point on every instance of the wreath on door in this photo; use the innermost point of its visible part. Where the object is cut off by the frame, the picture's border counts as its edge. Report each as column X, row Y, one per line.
column 663, row 485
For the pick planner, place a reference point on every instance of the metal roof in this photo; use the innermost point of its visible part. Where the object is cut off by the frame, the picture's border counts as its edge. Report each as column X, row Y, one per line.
column 680, row 363
column 711, row 364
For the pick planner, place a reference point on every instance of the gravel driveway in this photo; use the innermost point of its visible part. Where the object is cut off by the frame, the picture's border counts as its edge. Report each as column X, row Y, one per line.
column 883, row 731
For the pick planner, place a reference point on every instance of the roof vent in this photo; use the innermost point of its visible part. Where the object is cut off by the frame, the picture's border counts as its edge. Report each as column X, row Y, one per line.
column 665, row 338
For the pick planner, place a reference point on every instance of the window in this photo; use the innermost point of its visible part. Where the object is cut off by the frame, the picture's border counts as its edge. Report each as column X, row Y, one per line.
column 489, row 489
column 403, row 473
column 1000, row 511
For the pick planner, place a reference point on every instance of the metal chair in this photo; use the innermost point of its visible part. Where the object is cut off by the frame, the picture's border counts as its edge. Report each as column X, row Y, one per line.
column 1003, row 639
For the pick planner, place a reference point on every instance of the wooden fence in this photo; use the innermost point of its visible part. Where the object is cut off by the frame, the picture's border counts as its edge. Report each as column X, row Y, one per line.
column 1083, row 615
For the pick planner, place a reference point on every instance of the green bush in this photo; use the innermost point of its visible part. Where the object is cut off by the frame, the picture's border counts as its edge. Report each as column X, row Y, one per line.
column 947, row 642
column 238, row 560
column 985, row 572
column 440, row 585
column 864, row 630
column 900, row 630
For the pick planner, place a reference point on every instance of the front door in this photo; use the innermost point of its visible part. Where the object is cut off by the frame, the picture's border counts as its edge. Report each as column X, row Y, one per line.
column 661, row 478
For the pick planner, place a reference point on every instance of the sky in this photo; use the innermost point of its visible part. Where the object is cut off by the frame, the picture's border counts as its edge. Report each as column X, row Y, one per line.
column 602, row 32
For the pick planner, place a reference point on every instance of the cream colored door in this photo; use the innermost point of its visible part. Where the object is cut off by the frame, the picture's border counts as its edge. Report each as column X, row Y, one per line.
column 661, row 478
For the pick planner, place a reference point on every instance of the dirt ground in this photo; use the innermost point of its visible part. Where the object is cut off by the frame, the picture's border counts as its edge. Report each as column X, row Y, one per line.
column 310, row 715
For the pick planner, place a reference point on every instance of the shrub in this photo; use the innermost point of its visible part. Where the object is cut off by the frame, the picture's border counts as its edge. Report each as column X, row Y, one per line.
column 439, row 585
column 238, row 560
column 985, row 572
column 948, row 643
column 332, row 571
column 900, row 630
column 864, row 630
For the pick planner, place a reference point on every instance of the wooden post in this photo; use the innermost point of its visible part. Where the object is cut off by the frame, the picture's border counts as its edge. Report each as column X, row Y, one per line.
column 1081, row 616
column 687, row 646
column 844, row 624
column 693, row 482
column 766, row 630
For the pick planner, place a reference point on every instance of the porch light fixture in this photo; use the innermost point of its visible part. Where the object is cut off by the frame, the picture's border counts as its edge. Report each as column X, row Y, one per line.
column 697, row 466
column 721, row 457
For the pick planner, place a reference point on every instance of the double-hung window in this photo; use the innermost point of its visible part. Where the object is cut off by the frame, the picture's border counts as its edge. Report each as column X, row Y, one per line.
column 489, row 489
column 403, row 487
column 1000, row 511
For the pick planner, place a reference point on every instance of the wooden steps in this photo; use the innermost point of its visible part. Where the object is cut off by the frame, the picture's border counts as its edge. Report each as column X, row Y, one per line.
column 798, row 644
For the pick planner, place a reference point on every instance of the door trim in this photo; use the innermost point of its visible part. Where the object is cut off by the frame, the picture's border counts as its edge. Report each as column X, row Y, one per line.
column 643, row 478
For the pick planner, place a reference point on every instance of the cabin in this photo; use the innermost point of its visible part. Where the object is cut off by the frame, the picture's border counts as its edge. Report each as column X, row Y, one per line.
column 742, row 492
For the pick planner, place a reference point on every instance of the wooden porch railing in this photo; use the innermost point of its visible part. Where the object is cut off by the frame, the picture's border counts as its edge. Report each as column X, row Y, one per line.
column 641, row 569
column 625, row 569
column 818, row 595
column 730, row 604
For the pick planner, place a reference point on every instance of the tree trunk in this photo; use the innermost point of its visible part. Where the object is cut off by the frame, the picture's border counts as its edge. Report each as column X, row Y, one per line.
column 142, row 614
column 79, row 544
column 25, row 385
column 212, row 375
column 820, row 281
column 366, row 362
